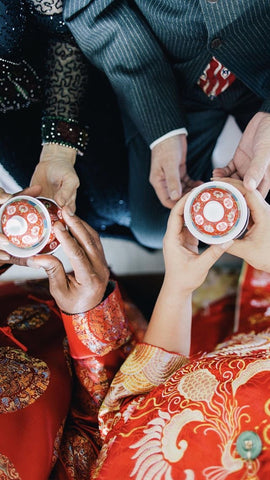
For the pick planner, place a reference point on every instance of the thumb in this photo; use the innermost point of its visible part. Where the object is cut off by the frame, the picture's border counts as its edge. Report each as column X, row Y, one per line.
column 213, row 253
column 173, row 181
column 255, row 173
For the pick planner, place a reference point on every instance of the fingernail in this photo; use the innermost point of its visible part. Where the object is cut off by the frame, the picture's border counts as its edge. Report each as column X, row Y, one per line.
column 60, row 226
column 4, row 256
column 3, row 241
column 174, row 195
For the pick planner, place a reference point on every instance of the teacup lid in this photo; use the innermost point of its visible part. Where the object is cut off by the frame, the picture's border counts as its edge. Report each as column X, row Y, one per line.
column 216, row 212
column 27, row 225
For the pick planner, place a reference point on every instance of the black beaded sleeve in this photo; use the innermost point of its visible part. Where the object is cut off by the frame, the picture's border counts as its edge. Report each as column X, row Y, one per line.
column 65, row 88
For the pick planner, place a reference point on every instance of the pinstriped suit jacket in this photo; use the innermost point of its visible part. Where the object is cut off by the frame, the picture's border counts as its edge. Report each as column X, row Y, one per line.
column 154, row 51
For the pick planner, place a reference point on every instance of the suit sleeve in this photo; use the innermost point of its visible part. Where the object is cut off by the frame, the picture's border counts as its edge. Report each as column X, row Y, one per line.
column 115, row 37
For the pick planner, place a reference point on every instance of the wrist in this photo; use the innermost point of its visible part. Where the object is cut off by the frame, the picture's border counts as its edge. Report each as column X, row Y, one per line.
column 176, row 289
column 57, row 152
column 172, row 133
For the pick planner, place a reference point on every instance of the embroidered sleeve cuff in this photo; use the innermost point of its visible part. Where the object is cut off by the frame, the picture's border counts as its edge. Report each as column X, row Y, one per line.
column 172, row 133
column 145, row 368
column 98, row 331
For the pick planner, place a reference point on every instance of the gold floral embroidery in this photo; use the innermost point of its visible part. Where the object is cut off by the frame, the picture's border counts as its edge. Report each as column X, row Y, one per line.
column 78, row 455
column 7, row 469
column 103, row 328
column 67, row 356
column 146, row 366
column 23, row 379
column 214, row 408
column 198, row 386
column 56, row 445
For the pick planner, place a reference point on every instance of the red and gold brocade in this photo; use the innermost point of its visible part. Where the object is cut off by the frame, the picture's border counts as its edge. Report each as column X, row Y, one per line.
column 187, row 427
column 48, row 400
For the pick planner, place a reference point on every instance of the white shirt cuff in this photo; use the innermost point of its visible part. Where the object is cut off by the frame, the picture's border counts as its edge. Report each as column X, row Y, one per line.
column 172, row 133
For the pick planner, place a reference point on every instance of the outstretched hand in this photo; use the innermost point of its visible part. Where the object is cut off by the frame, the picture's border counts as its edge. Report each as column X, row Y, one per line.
column 84, row 288
column 185, row 270
column 251, row 161
column 56, row 175
column 168, row 174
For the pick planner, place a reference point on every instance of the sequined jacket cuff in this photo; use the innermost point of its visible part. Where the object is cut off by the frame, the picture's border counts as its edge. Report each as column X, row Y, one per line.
column 100, row 330
column 145, row 368
column 64, row 131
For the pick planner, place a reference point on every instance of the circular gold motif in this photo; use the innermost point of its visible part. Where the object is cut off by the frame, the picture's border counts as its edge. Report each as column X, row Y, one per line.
column 23, row 379
column 29, row 317
column 7, row 469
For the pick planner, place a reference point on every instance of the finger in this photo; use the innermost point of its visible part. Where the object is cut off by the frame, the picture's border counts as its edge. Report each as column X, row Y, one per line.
column 80, row 263
column 236, row 182
column 4, row 196
column 71, row 204
column 32, row 191
column 188, row 184
column 263, row 187
column 227, row 171
column 258, row 207
column 3, row 240
column 95, row 236
column 256, row 171
column 87, row 238
column 176, row 219
column 4, row 256
column 55, row 271
column 67, row 192
column 240, row 248
column 172, row 178
column 162, row 193
column 209, row 256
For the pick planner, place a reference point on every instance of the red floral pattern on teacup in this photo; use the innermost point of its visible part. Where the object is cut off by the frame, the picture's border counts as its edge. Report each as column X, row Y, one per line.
column 229, row 208
column 22, row 223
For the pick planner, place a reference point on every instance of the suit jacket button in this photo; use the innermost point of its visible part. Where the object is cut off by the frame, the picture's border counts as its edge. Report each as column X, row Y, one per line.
column 216, row 42
column 249, row 445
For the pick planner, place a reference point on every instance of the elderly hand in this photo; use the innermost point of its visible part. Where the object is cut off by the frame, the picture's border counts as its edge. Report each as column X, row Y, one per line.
column 56, row 175
column 84, row 288
column 251, row 161
column 168, row 174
